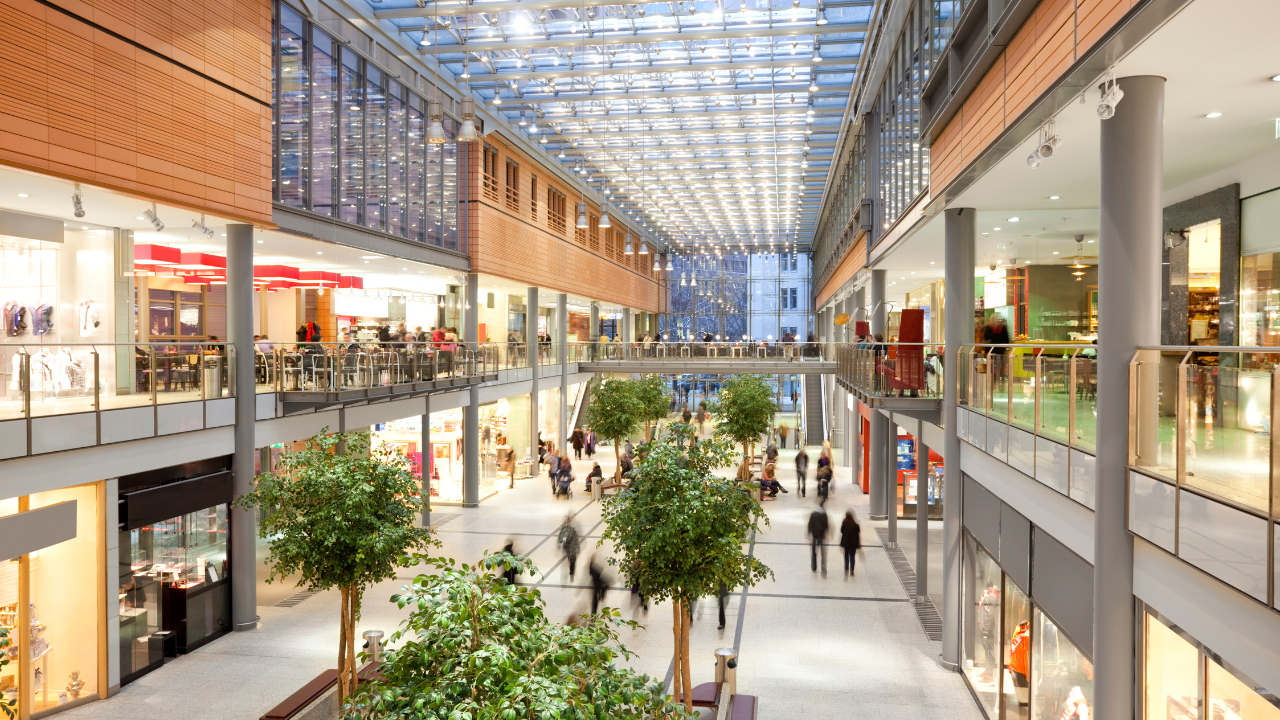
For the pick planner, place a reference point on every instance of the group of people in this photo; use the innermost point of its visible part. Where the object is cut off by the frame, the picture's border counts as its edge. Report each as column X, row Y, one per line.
column 770, row 487
column 560, row 467
column 850, row 540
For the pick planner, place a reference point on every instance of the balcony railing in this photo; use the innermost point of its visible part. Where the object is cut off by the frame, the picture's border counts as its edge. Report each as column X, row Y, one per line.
column 1034, row 407
column 899, row 370
column 337, row 367
column 716, row 351
column 1204, row 481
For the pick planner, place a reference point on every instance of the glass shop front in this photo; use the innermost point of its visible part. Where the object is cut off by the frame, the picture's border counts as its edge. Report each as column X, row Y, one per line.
column 175, row 582
column 51, row 600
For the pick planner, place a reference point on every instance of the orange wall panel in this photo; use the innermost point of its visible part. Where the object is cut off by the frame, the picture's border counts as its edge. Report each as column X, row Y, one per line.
column 1040, row 53
column 80, row 102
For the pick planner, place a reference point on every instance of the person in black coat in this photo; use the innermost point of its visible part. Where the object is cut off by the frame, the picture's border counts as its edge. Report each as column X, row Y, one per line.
column 802, row 470
column 818, row 527
column 850, row 540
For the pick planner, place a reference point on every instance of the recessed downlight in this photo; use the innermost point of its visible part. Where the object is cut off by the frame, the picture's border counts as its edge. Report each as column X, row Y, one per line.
column 1214, row 115
column 1014, row 219
column 1053, row 197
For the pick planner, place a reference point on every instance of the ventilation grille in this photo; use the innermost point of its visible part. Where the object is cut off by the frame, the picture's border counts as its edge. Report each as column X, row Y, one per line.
column 294, row 599
column 930, row 620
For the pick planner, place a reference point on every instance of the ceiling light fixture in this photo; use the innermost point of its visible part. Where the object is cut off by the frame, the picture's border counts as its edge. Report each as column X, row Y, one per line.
column 1111, row 96
column 76, row 201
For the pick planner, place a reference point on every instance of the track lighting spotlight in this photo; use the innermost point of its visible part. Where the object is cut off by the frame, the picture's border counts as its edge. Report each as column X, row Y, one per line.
column 153, row 218
column 198, row 226
column 1111, row 96
column 77, row 202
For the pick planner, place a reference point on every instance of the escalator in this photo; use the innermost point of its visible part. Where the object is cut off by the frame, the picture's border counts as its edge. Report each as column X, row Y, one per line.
column 814, row 415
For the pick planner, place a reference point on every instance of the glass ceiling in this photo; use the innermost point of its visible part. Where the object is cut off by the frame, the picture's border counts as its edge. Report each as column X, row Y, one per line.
column 711, row 124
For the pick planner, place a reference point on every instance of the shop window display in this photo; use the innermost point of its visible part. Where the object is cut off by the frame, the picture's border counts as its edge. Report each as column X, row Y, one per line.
column 982, row 655
column 49, row 602
column 1185, row 681
column 1017, row 652
column 1173, row 679
column 173, row 578
column 1062, row 676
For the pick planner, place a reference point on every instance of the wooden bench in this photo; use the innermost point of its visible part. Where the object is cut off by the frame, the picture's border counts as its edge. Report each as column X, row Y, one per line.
column 707, row 695
column 314, row 690
column 612, row 485
column 716, row 696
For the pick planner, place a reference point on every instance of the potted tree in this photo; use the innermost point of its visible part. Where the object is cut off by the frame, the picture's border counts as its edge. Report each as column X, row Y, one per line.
column 678, row 533
column 615, row 412
column 654, row 401
column 476, row 646
column 745, row 413
column 341, row 514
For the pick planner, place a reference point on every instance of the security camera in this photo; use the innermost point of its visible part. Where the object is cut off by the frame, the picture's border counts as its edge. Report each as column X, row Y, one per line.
column 993, row 266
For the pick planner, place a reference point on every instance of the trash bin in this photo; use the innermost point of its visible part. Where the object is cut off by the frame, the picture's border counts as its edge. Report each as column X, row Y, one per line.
column 373, row 644
column 212, row 377
column 724, row 658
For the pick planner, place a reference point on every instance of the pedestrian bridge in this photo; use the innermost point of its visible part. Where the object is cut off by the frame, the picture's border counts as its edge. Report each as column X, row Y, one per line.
column 711, row 357
column 711, row 366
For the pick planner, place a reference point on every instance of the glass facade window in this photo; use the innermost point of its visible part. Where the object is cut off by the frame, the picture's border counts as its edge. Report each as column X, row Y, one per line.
column 375, row 149
column 294, row 110
column 1186, row 681
column 397, row 139
column 416, row 168
column 1063, row 685
column 351, row 137
column 324, row 125
column 757, row 297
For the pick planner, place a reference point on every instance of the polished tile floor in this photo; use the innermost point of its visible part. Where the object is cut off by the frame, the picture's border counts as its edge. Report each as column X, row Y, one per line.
column 809, row 645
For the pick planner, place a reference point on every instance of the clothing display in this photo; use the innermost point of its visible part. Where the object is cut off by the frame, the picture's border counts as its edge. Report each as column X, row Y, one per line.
column 42, row 319
column 17, row 317
column 88, row 314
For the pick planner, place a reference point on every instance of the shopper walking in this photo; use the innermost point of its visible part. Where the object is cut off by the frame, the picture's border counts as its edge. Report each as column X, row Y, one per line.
column 802, row 469
column 723, row 596
column 510, row 572
column 599, row 586
column 577, row 441
column 818, row 527
column 570, row 541
column 824, row 484
column 783, row 429
column 850, row 540
column 589, row 443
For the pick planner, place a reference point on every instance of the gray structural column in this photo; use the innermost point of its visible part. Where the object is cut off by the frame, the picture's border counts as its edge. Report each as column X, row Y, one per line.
column 855, row 418
column 593, row 332
column 531, row 342
column 1129, row 265
column 878, row 473
column 890, row 488
column 562, row 342
column 471, row 413
column 626, row 333
column 960, row 231
column 244, row 565
column 922, row 515
column 835, row 394
column 426, row 463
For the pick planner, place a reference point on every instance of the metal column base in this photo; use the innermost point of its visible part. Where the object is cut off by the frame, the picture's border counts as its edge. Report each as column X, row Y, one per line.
column 240, row 627
column 878, row 517
column 953, row 667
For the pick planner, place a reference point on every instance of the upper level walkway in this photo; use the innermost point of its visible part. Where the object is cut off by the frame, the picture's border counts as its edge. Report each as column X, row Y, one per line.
column 710, row 357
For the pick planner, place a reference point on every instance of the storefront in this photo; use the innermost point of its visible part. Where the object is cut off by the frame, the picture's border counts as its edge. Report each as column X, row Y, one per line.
column 504, row 429
column 175, row 581
column 1184, row 680
column 1026, row 615
column 908, row 487
column 52, row 600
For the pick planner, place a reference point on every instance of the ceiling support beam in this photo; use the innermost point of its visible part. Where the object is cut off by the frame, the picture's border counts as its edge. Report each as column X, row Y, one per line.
column 619, row 38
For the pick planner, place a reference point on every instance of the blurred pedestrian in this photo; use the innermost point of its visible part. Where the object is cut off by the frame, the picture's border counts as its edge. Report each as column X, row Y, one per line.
column 510, row 572
column 783, row 429
column 824, row 484
column 571, row 542
column 578, row 442
column 589, row 441
column 802, row 469
column 818, row 527
column 850, row 540
column 599, row 586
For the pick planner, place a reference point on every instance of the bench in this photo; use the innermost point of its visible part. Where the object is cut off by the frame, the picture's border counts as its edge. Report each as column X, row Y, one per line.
column 612, row 485
column 314, row 690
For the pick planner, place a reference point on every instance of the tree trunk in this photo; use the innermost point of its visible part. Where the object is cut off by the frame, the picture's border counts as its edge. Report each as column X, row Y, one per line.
column 342, row 650
column 617, row 459
column 677, row 677
column 686, row 611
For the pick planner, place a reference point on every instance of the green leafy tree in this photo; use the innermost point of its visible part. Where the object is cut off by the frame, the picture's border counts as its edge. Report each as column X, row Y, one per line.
column 745, row 412
column 678, row 533
column 615, row 412
column 476, row 647
column 655, row 402
column 341, row 513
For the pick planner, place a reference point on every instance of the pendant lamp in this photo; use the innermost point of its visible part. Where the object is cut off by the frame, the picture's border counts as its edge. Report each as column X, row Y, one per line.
column 582, row 216
column 468, row 133
column 435, row 131
column 626, row 250
column 604, row 217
